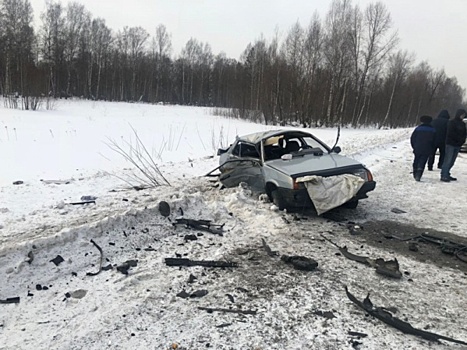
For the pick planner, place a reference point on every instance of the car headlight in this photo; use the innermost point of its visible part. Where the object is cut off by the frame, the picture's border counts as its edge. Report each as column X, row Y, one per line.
column 364, row 174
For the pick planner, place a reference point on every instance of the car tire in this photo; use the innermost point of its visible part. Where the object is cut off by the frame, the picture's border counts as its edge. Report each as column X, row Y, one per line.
column 351, row 205
column 277, row 199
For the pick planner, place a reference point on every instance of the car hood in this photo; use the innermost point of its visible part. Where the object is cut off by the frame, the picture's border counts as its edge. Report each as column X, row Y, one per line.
column 311, row 164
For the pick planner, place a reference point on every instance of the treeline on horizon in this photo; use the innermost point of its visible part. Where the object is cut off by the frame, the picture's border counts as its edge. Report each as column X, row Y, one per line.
column 343, row 69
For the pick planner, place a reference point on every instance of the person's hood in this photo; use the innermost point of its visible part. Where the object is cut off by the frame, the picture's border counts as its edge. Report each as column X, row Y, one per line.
column 459, row 113
column 443, row 114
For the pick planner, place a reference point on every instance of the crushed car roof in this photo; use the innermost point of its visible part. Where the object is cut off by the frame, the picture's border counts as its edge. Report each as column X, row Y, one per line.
column 258, row 136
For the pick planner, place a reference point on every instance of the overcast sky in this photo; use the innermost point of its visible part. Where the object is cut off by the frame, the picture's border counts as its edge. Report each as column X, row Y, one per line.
column 431, row 29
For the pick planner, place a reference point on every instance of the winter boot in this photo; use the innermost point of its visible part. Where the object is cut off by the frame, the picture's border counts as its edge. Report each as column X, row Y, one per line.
column 418, row 174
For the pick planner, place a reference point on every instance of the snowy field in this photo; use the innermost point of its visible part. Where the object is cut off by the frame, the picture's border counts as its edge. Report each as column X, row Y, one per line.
column 63, row 154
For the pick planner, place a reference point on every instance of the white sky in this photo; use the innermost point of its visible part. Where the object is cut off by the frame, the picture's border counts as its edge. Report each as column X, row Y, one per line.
column 433, row 30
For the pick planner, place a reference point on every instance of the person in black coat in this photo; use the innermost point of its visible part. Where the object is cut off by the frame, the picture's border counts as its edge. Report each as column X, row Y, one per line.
column 455, row 138
column 423, row 142
column 440, row 124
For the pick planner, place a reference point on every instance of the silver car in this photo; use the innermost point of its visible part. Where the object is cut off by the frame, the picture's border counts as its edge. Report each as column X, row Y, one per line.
column 464, row 146
column 271, row 161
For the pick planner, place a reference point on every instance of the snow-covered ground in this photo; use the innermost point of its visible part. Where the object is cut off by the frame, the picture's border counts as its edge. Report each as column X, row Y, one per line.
column 141, row 310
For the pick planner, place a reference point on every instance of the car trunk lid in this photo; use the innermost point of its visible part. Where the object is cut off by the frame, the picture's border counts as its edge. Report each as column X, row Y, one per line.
column 324, row 165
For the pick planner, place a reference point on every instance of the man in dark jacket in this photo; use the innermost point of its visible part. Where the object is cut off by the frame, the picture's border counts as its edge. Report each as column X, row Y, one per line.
column 455, row 138
column 440, row 124
column 422, row 141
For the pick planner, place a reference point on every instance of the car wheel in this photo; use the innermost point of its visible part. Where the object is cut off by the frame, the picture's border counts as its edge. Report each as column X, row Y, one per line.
column 351, row 205
column 277, row 199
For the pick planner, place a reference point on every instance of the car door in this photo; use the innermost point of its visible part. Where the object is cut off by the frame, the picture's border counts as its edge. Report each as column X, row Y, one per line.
column 243, row 164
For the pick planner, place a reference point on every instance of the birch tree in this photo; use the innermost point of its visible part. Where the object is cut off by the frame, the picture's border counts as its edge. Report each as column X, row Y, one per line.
column 52, row 38
column 293, row 53
column 162, row 46
column 313, row 53
column 76, row 19
column 338, row 57
column 101, row 40
column 399, row 65
column 377, row 43
column 17, row 39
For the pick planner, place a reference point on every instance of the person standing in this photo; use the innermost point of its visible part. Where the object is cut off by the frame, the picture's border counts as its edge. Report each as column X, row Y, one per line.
column 440, row 124
column 422, row 141
column 455, row 138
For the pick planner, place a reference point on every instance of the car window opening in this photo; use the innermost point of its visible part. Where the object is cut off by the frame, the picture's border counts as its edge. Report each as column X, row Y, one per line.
column 277, row 146
column 246, row 150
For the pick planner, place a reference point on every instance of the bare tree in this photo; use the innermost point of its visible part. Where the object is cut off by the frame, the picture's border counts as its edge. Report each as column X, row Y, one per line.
column 338, row 57
column 162, row 46
column 339, row 70
column 272, row 83
column 255, row 60
column 399, row 65
column 17, row 39
column 436, row 78
column 137, row 37
column 376, row 45
column 76, row 19
column 205, row 67
column 293, row 53
column 52, row 37
column 190, row 60
column 121, row 53
column 101, row 40
column 313, row 52
column 450, row 94
column 421, row 85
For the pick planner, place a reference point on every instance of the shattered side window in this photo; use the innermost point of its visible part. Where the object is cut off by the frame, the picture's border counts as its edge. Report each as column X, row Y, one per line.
column 245, row 150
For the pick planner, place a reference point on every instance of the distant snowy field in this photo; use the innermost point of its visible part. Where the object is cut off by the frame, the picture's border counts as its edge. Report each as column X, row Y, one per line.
column 141, row 311
column 71, row 141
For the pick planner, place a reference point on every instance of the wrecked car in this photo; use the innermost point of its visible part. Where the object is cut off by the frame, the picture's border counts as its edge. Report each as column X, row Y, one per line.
column 464, row 146
column 288, row 165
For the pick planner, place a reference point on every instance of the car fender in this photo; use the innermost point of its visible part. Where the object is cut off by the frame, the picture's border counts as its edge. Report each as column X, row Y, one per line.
column 272, row 177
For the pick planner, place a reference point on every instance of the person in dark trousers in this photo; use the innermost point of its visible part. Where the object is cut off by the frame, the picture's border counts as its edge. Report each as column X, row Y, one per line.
column 440, row 124
column 455, row 138
column 423, row 142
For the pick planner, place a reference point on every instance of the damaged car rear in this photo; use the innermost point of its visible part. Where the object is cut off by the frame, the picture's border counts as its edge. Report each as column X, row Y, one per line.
column 295, row 169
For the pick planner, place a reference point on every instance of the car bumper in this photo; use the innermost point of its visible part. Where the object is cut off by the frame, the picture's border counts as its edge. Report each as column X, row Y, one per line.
column 367, row 187
column 300, row 198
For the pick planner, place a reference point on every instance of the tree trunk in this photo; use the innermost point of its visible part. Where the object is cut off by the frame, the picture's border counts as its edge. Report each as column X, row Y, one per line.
column 391, row 99
column 7, row 75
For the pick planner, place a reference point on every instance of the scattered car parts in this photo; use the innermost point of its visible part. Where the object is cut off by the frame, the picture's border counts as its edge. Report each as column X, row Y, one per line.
column 236, row 311
column 298, row 262
column 389, row 268
column 205, row 263
column 100, row 261
column 202, row 225
column 384, row 315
